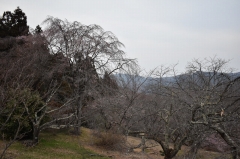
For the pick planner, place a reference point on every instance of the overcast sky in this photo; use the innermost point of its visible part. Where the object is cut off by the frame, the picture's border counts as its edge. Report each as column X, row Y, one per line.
column 155, row 32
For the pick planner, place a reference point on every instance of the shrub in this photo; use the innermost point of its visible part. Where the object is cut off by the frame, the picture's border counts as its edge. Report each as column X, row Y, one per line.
column 15, row 109
column 109, row 140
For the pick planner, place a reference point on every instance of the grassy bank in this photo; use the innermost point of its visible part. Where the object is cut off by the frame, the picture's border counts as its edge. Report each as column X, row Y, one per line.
column 54, row 144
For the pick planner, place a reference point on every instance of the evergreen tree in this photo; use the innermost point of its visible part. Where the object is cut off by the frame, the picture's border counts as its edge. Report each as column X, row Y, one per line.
column 5, row 23
column 13, row 24
column 38, row 30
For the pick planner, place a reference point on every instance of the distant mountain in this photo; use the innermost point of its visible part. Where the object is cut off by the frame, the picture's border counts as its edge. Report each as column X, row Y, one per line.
column 130, row 80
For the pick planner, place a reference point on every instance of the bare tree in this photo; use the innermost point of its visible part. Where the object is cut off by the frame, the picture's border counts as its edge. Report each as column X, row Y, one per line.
column 35, row 77
column 49, row 78
column 213, row 96
column 90, row 52
column 117, row 104
column 193, row 105
column 210, row 93
column 164, row 121
column 14, row 82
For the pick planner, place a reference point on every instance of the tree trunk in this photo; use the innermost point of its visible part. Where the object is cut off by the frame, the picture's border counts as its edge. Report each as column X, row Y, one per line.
column 170, row 153
column 78, row 122
column 36, row 131
column 167, row 157
column 143, row 143
column 228, row 140
column 193, row 151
